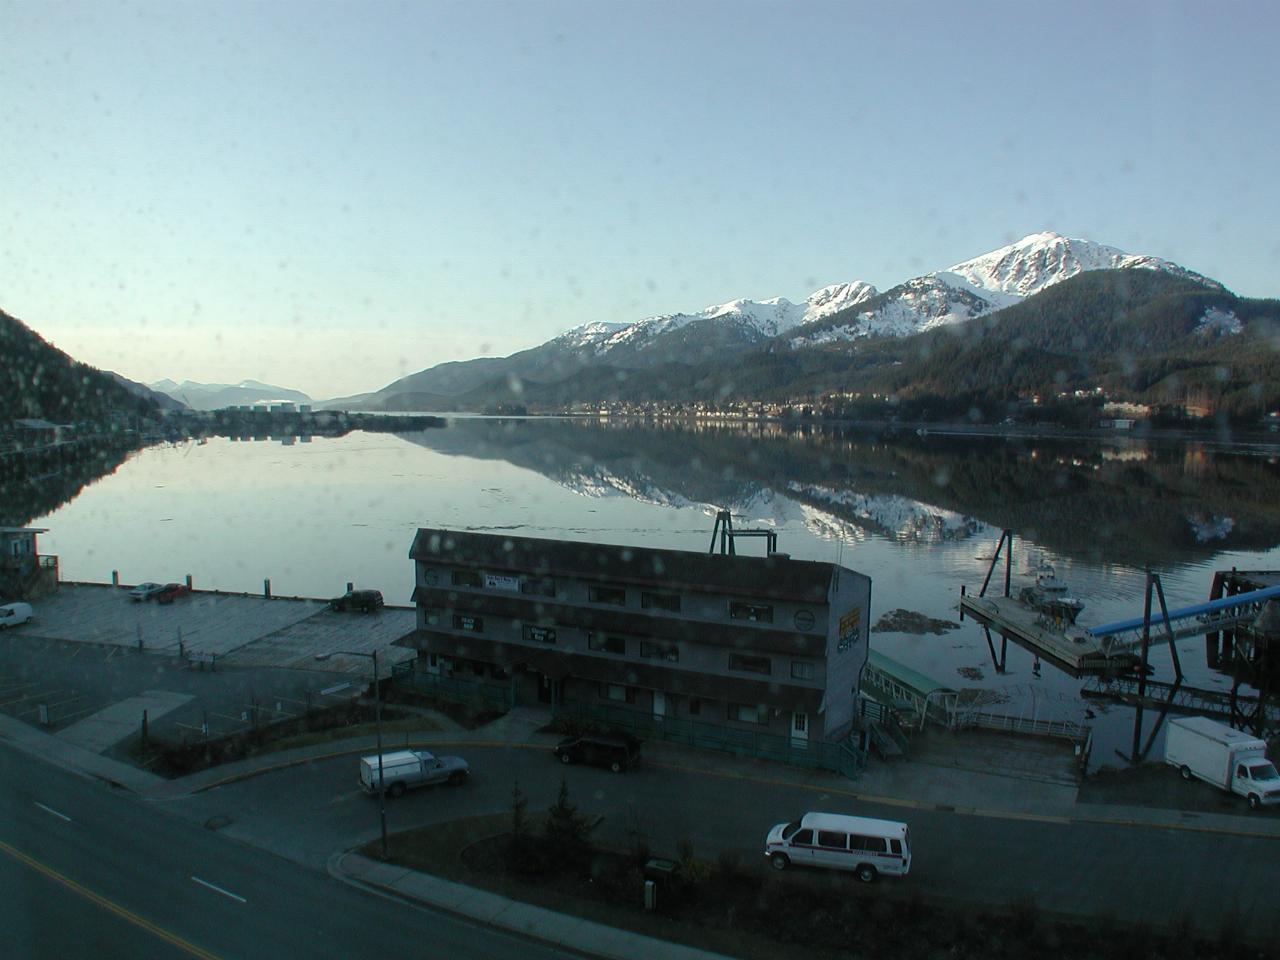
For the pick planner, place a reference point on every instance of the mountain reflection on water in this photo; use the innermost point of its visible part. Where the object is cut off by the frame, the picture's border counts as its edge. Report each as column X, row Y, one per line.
column 920, row 515
column 1125, row 501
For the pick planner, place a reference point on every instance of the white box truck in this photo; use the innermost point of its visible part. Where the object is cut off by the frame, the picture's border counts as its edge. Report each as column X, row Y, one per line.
column 1227, row 758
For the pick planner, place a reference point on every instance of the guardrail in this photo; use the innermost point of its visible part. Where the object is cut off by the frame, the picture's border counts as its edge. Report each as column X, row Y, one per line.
column 1032, row 726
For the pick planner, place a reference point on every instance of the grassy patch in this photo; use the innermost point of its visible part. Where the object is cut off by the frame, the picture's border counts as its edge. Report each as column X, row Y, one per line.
column 177, row 759
column 747, row 910
column 414, row 724
column 469, row 851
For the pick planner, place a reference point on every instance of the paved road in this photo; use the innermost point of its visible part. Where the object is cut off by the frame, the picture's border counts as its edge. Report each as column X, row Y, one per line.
column 1131, row 872
column 87, row 871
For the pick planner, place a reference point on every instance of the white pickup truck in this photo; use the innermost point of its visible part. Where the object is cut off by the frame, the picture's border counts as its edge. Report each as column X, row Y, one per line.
column 411, row 768
column 1227, row 758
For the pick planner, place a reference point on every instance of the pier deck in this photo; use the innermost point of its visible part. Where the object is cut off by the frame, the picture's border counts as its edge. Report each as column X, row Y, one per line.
column 236, row 629
column 1076, row 653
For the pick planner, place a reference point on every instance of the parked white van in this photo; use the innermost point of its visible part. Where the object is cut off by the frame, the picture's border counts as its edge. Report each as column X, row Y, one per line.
column 12, row 614
column 865, row 847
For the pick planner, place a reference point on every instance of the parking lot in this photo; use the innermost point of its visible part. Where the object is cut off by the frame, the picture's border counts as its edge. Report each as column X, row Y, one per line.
column 263, row 632
column 92, row 661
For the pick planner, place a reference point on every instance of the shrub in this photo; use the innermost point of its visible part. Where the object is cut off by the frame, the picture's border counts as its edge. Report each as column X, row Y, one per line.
column 618, row 880
column 523, row 853
column 640, row 852
column 1024, row 920
column 729, row 864
column 566, row 830
column 684, row 849
column 573, row 726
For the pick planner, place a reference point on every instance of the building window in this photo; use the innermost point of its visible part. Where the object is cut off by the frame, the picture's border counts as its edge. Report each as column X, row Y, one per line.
column 803, row 670
column 617, row 692
column 749, row 713
column 655, row 650
column 467, row 578
column 660, row 601
column 748, row 664
column 533, row 633
column 695, row 706
column 606, row 644
column 617, row 596
column 538, row 587
column 756, row 612
column 464, row 621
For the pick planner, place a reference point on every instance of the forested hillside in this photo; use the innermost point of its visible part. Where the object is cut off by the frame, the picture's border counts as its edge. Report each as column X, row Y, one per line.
column 1140, row 335
column 39, row 380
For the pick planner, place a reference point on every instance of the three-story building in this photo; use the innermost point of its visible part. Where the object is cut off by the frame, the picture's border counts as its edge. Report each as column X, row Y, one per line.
column 768, row 643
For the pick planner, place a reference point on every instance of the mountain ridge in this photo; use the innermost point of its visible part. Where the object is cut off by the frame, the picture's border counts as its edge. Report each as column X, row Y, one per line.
column 847, row 312
column 216, row 396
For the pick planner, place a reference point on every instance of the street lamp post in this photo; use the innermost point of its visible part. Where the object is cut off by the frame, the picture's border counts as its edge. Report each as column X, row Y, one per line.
column 377, row 725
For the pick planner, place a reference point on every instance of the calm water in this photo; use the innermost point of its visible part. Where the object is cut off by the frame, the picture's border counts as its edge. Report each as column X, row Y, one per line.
column 920, row 515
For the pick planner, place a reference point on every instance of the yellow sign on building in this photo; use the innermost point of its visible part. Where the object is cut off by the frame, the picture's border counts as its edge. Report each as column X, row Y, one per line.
column 849, row 624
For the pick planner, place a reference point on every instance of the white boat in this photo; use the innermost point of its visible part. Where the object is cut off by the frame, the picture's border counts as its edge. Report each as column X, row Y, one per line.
column 1050, row 596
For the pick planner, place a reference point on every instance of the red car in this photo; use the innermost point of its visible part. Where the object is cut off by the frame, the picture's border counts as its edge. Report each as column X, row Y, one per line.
column 171, row 592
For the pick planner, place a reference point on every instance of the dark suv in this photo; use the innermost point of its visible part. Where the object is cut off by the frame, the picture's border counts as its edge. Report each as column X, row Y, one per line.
column 602, row 750
column 366, row 600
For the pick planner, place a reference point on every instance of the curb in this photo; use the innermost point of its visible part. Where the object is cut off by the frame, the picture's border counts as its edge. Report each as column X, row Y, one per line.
column 646, row 946
column 1064, row 819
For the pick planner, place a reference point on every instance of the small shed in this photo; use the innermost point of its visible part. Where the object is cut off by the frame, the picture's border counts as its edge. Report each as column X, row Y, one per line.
column 24, row 573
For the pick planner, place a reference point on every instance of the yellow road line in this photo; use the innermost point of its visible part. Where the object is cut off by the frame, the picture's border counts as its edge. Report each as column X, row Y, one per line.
column 119, row 911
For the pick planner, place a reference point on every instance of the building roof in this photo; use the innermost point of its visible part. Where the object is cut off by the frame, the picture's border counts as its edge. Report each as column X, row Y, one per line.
column 768, row 578
column 4, row 530
column 912, row 679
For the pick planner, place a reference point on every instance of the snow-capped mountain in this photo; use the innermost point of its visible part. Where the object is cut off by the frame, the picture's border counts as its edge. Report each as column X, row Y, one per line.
column 988, row 282
column 1042, row 259
column 575, row 365
column 215, row 396
column 684, row 337
column 750, row 320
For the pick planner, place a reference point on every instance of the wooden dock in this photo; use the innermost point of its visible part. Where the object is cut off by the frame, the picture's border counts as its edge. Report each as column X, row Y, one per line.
column 1072, row 651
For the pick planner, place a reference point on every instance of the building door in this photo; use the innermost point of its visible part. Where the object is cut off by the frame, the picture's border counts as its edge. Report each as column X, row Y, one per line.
column 799, row 729
column 659, row 704
column 550, row 691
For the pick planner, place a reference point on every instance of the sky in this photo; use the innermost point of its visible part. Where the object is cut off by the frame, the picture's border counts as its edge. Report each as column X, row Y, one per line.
column 331, row 195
